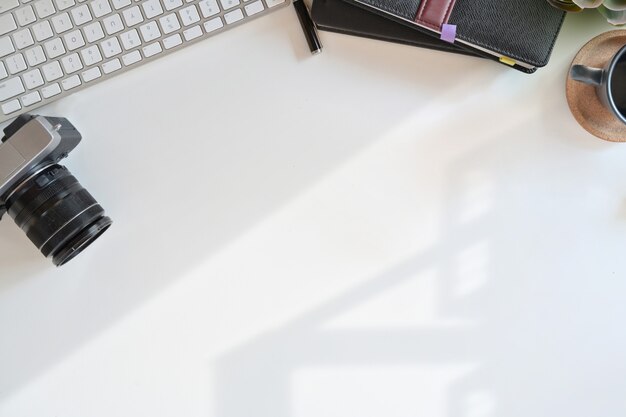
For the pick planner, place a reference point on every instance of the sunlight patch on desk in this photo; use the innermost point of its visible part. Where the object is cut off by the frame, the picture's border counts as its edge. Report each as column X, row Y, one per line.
column 476, row 194
column 472, row 272
column 392, row 391
column 480, row 403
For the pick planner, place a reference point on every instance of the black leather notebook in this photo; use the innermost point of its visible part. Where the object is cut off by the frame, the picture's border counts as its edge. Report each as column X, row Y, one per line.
column 341, row 17
column 518, row 33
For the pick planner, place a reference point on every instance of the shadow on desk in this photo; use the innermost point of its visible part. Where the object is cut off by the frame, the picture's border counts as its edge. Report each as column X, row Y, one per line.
column 493, row 313
column 176, row 202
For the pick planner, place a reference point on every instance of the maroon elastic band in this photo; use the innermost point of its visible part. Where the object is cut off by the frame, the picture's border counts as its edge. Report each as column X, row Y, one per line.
column 434, row 13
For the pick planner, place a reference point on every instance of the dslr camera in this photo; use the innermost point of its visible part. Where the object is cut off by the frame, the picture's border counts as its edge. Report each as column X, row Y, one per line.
column 43, row 198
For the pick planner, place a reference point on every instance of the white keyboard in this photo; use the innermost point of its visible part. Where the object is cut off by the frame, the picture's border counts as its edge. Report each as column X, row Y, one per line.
column 52, row 48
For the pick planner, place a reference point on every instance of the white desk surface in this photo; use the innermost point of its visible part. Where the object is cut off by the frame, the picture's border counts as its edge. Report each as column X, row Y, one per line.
column 375, row 231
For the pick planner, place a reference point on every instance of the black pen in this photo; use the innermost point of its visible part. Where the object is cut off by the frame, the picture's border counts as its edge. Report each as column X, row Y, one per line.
column 308, row 27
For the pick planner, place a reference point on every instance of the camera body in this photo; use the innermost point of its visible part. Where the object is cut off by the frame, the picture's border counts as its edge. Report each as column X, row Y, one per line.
column 58, row 215
column 30, row 143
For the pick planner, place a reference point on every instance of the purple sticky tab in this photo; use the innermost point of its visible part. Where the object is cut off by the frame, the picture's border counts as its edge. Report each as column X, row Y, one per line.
column 448, row 33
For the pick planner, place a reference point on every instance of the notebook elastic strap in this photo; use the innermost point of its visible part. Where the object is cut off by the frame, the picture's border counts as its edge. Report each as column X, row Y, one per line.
column 434, row 13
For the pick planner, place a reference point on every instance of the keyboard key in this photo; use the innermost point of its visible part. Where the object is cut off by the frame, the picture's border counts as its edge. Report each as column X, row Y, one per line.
column 109, row 67
column 254, row 8
column 172, row 41
column 25, row 15
column 150, row 31
column 6, row 5
column 151, row 50
column 54, row 48
column 30, row 99
column 192, row 33
column 152, row 8
column 44, row 8
column 131, row 58
column 6, row 46
column 11, row 107
column 189, row 15
column 110, row 47
column 213, row 25
column 64, row 4
column 130, row 39
column 118, row 4
column 93, row 32
column 100, row 7
column 62, row 23
column 71, row 82
column 42, row 31
column 52, row 71
column 71, row 63
column 51, row 90
column 169, row 23
column 274, row 3
column 15, row 63
column 229, row 4
column 32, row 79
column 22, row 39
column 113, row 24
column 209, row 8
column 234, row 16
column 7, row 24
column 133, row 16
column 91, row 55
column 10, row 88
column 81, row 15
column 35, row 56
column 3, row 71
column 91, row 74
column 74, row 40
column 172, row 4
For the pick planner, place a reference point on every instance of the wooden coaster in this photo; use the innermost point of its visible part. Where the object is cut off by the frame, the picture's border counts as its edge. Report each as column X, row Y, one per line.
column 582, row 98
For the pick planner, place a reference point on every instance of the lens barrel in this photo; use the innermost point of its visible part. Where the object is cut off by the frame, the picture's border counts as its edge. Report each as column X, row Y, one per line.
column 57, row 214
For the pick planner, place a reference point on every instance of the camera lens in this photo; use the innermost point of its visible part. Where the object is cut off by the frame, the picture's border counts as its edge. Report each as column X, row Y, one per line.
column 57, row 214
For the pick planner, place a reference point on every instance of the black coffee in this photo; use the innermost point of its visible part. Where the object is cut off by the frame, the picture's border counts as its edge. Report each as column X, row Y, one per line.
column 618, row 85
